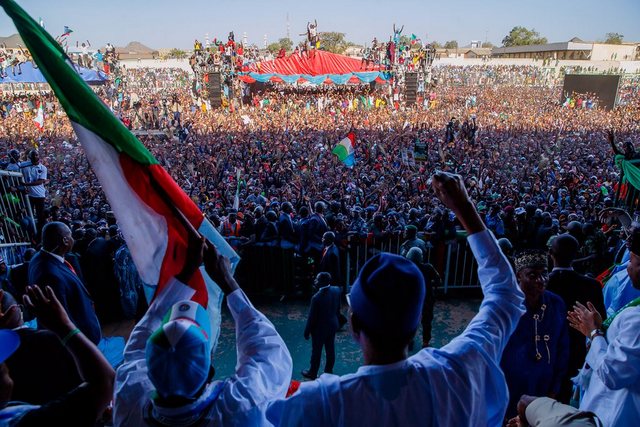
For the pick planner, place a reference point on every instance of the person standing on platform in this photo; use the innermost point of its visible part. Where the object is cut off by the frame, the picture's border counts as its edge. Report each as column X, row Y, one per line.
column 35, row 176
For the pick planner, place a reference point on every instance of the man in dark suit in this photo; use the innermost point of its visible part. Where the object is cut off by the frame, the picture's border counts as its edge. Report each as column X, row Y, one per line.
column 330, row 261
column 49, row 268
column 100, row 280
column 322, row 324
column 572, row 287
column 315, row 228
column 285, row 227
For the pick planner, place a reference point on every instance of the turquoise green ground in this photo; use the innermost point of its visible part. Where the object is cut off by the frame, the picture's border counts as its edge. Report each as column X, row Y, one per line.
column 289, row 317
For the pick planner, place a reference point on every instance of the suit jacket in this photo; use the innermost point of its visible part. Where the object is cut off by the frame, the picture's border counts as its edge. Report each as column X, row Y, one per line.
column 324, row 312
column 285, row 227
column 330, row 263
column 46, row 270
column 100, row 280
column 313, row 230
column 571, row 287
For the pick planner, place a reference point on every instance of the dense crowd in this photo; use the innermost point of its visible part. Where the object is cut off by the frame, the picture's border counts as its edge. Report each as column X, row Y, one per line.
column 538, row 169
column 556, row 163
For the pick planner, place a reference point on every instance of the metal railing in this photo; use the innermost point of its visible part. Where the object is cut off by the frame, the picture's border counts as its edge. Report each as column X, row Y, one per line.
column 17, row 226
column 284, row 272
column 453, row 259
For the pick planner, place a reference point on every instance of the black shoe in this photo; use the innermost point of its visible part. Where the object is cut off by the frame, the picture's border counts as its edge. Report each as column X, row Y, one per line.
column 307, row 374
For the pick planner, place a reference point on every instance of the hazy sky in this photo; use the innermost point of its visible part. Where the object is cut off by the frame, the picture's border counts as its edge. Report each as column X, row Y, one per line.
column 171, row 23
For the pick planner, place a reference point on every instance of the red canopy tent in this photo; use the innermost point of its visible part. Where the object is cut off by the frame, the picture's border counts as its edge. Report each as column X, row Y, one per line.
column 315, row 63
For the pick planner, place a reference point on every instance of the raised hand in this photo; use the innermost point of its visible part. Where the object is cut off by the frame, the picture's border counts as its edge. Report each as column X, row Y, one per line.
column 46, row 307
column 193, row 259
column 218, row 268
column 450, row 189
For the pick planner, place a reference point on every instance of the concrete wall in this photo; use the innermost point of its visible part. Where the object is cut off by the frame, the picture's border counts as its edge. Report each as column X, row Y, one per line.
column 627, row 66
column 157, row 63
column 607, row 52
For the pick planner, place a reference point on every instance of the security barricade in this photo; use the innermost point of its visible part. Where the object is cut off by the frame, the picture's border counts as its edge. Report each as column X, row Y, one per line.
column 277, row 269
column 17, row 227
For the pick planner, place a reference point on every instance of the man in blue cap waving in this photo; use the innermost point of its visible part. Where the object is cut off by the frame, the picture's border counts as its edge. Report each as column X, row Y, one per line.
column 460, row 384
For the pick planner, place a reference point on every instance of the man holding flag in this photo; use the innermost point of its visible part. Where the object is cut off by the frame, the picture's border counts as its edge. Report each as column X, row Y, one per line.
column 158, row 220
column 167, row 377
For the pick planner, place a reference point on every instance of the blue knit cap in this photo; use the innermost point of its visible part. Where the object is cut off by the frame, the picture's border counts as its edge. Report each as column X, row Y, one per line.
column 388, row 295
column 179, row 353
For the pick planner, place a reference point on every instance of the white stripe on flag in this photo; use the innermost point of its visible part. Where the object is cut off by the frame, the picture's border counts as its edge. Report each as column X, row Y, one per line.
column 144, row 230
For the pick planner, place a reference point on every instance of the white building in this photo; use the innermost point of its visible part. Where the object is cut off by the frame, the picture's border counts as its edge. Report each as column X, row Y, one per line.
column 574, row 49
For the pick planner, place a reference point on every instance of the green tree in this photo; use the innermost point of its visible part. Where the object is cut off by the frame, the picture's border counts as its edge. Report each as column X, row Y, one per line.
column 520, row 36
column 284, row 42
column 334, row 42
column 405, row 39
column 487, row 44
column 176, row 53
column 436, row 45
column 614, row 38
column 451, row 44
column 273, row 47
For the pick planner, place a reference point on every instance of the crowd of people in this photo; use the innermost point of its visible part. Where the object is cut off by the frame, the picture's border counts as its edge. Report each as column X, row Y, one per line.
column 11, row 60
column 536, row 175
column 556, row 163
column 83, row 54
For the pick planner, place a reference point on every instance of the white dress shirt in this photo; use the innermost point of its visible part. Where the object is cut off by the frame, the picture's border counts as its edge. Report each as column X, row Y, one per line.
column 263, row 369
column 613, row 392
column 460, row 384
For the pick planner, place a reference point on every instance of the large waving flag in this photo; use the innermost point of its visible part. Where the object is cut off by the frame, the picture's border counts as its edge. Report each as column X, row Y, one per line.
column 345, row 150
column 154, row 214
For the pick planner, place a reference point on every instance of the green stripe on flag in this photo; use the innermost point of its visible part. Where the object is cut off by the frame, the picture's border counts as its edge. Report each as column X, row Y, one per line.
column 341, row 151
column 78, row 100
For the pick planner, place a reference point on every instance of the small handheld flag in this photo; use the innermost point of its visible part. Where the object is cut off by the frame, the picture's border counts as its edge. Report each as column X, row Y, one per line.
column 345, row 150
column 39, row 118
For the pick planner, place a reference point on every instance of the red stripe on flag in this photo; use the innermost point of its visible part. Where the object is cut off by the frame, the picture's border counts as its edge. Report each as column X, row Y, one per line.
column 352, row 136
column 139, row 178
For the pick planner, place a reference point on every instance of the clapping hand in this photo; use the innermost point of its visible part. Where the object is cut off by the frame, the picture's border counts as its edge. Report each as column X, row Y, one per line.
column 584, row 319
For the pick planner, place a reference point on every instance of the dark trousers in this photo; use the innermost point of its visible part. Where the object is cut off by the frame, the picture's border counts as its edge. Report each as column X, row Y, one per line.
column 426, row 321
column 37, row 204
column 328, row 342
